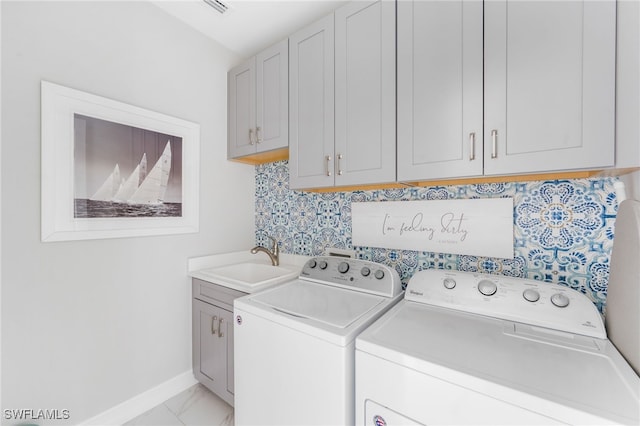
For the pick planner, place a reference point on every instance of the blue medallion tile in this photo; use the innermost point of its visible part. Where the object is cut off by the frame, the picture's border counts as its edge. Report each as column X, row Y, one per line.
column 436, row 193
column 280, row 213
column 563, row 230
column 514, row 267
column 279, row 183
column 394, row 194
column 303, row 213
column 599, row 276
column 490, row 188
column 360, row 196
column 301, row 244
column 328, row 213
column 262, row 185
column 328, row 195
column 262, row 213
column 326, row 238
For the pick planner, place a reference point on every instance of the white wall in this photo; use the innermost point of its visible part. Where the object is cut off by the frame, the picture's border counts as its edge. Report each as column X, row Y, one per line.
column 628, row 93
column 87, row 325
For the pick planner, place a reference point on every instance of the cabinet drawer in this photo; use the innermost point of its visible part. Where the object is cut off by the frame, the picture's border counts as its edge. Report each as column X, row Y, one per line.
column 215, row 293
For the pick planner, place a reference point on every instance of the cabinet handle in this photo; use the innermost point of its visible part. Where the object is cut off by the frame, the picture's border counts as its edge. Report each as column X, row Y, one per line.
column 472, row 146
column 213, row 324
column 259, row 134
column 339, row 157
column 494, row 143
column 328, row 158
column 251, row 137
column 220, row 333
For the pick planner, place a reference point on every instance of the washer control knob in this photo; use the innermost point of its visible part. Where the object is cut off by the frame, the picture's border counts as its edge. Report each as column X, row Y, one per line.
column 531, row 295
column 560, row 300
column 449, row 283
column 379, row 274
column 312, row 263
column 323, row 264
column 343, row 267
column 365, row 271
column 487, row 287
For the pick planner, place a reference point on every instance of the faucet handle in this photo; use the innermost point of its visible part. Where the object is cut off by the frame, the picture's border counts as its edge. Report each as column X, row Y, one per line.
column 276, row 248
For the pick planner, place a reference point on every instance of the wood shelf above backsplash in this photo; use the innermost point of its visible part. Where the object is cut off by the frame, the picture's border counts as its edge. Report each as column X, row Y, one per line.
column 264, row 157
column 283, row 154
column 585, row 174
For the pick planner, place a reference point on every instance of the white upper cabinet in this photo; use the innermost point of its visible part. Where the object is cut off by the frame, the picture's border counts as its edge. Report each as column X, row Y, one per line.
column 272, row 97
column 311, row 120
column 365, row 94
column 549, row 85
column 259, row 103
column 439, row 89
column 242, row 109
column 342, row 98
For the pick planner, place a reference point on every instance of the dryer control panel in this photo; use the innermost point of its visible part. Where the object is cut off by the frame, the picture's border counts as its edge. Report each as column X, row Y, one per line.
column 521, row 300
column 354, row 274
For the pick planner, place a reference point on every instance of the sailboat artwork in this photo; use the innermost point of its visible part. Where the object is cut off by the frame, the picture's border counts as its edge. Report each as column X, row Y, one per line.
column 141, row 194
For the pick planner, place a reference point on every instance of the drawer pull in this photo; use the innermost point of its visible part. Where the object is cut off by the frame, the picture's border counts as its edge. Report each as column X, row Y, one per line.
column 220, row 333
column 328, row 159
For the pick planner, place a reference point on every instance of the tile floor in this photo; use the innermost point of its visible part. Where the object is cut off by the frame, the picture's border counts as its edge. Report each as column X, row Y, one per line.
column 196, row 406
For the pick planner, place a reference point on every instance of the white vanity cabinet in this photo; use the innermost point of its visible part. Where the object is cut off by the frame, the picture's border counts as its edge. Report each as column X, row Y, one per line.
column 258, row 103
column 342, row 98
column 549, row 87
column 212, row 329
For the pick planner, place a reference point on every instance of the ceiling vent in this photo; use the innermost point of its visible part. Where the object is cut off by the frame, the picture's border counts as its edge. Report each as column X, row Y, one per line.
column 217, row 5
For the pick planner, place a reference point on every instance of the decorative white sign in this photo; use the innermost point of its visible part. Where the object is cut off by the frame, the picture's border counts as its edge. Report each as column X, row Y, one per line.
column 478, row 227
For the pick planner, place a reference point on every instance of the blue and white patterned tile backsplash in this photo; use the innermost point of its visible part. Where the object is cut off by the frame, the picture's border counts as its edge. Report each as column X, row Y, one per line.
column 563, row 229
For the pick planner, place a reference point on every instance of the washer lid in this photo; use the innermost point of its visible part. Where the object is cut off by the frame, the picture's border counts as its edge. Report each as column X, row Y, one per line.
column 329, row 305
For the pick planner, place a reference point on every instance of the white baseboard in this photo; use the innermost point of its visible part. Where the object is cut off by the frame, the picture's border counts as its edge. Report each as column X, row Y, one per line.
column 143, row 402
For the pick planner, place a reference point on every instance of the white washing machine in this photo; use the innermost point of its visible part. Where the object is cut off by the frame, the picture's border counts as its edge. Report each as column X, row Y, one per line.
column 295, row 343
column 466, row 348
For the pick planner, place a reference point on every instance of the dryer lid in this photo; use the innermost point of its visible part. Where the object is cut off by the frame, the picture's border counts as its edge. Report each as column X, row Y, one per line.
column 478, row 352
column 329, row 305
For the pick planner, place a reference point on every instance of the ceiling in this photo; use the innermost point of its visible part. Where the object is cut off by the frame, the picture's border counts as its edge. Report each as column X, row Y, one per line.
column 248, row 26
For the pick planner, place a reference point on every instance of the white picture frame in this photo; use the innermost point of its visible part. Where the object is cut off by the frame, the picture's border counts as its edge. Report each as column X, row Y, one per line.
column 80, row 134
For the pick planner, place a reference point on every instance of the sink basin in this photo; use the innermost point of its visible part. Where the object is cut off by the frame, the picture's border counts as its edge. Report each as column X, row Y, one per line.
column 249, row 276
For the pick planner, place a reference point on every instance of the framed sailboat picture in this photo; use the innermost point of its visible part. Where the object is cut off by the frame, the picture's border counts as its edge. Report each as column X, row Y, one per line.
column 114, row 170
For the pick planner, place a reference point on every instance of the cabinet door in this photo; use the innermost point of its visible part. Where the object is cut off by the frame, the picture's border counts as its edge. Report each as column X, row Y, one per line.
column 365, row 124
column 311, row 103
column 241, row 82
column 272, row 97
column 549, row 85
column 211, row 351
column 227, row 329
column 439, row 89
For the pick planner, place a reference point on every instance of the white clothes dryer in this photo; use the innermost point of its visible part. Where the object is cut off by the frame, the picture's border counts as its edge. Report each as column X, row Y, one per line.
column 468, row 348
column 295, row 343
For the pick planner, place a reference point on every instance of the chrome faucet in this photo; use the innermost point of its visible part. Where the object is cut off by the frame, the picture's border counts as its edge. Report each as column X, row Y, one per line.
column 274, row 253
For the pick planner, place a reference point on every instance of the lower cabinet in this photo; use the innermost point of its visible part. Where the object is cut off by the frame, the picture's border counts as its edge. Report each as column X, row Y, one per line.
column 213, row 337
